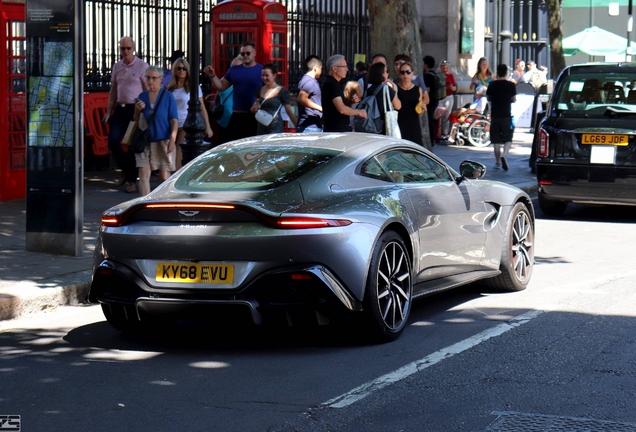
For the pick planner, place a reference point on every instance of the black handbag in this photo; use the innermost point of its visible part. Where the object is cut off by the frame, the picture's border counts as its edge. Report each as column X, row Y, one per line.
column 141, row 138
column 219, row 109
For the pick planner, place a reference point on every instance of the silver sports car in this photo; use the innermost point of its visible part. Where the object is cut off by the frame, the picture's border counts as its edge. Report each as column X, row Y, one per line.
column 296, row 228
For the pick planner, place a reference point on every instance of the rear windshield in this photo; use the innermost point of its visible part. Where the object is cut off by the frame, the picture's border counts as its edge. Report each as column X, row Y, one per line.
column 593, row 94
column 251, row 169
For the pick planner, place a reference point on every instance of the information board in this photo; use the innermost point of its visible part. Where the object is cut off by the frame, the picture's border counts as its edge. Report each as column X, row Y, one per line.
column 54, row 129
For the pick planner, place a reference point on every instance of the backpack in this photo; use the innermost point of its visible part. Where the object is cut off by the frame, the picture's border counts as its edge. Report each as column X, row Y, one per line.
column 374, row 121
column 438, row 90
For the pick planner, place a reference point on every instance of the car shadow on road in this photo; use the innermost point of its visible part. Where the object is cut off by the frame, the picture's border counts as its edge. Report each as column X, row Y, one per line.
column 197, row 335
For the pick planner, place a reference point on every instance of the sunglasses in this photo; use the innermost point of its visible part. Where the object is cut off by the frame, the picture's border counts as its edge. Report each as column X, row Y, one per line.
column 246, row 53
column 152, row 78
column 125, row 48
column 181, row 68
column 406, row 72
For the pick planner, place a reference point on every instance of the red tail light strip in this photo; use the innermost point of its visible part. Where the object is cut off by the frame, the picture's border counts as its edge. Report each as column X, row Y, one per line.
column 110, row 220
column 192, row 206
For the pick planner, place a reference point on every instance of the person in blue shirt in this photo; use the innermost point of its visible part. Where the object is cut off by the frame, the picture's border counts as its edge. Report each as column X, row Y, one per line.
column 246, row 80
column 159, row 109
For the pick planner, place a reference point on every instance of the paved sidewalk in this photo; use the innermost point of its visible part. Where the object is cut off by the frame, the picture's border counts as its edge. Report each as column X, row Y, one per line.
column 30, row 282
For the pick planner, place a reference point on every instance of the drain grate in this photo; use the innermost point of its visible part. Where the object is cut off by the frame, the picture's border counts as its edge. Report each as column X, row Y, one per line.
column 508, row 421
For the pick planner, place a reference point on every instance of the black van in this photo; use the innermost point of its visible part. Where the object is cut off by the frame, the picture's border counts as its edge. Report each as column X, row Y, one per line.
column 586, row 150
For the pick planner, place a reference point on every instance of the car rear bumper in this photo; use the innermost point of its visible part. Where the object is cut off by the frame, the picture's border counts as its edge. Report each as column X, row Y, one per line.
column 267, row 298
column 589, row 184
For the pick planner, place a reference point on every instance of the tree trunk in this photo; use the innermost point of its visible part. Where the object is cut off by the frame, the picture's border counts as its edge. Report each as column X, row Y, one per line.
column 556, row 36
column 395, row 29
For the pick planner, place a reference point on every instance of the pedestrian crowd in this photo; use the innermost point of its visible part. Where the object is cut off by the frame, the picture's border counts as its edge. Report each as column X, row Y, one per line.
column 250, row 101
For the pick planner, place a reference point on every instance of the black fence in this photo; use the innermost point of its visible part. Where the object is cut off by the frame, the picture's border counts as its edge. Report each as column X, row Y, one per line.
column 529, row 28
column 159, row 27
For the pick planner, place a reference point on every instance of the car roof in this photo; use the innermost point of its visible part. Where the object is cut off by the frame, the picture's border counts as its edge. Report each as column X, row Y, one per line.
column 587, row 68
column 352, row 144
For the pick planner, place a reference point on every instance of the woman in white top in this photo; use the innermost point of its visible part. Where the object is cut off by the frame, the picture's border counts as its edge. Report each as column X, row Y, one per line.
column 179, row 86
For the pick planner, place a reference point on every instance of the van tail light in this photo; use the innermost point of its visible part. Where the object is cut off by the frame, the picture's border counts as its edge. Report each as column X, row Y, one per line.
column 544, row 143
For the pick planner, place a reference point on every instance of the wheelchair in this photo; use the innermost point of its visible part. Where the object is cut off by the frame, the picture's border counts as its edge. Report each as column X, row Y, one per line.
column 474, row 128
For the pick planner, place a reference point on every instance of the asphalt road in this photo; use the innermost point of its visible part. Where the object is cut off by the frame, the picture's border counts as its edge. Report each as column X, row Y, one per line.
column 559, row 356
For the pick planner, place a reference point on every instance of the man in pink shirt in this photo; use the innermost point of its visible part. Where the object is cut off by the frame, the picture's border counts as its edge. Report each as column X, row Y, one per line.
column 127, row 82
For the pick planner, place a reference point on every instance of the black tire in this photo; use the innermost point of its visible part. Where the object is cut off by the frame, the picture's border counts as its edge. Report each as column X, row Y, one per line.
column 479, row 133
column 389, row 290
column 517, row 255
column 122, row 317
column 552, row 207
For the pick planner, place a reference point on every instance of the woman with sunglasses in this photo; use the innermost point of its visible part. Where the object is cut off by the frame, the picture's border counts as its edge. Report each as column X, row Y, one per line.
column 179, row 86
column 410, row 95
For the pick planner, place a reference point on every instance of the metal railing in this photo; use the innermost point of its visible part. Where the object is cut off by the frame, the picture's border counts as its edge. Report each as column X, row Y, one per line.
column 159, row 27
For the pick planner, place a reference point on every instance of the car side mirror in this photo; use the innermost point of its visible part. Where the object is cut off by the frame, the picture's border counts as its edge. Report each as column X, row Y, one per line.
column 472, row 170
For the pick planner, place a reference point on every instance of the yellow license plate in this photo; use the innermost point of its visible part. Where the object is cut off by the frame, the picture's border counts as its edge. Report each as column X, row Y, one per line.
column 195, row 273
column 609, row 139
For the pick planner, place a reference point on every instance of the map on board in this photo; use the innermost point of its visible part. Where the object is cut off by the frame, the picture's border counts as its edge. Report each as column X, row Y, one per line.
column 58, row 59
column 51, row 113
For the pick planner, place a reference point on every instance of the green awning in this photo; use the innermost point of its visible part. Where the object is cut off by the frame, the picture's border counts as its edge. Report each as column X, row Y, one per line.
column 592, row 3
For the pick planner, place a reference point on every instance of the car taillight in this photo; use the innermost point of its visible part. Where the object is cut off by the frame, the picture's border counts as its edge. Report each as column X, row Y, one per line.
column 114, row 221
column 544, row 143
column 300, row 223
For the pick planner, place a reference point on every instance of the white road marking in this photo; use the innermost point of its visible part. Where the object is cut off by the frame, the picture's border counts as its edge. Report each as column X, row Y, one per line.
column 366, row 389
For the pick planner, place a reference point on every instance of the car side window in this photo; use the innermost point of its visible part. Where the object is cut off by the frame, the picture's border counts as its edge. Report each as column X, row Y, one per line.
column 410, row 167
column 373, row 169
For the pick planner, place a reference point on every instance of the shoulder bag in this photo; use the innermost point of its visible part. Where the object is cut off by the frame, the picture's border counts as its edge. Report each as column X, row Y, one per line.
column 262, row 116
column 390, row 116
column 141, row 138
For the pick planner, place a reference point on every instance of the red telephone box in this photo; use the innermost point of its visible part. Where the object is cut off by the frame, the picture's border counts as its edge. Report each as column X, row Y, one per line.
column 261, row 22
column 13, row 105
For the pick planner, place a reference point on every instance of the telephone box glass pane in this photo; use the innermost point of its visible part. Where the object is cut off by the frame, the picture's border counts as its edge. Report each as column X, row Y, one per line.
column 19, row 48
column 18, row 29
column 18, row 66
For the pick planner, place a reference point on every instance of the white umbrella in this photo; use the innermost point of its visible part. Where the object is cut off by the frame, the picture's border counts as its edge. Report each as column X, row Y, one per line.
column 595, row 41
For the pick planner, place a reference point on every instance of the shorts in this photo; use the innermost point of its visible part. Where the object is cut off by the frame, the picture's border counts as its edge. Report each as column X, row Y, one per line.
column 156, row 157
column 501, row 130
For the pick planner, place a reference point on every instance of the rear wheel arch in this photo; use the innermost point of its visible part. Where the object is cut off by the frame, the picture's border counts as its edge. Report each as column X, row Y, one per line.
column 406, row 238
column 400, row 230
column 389, row 288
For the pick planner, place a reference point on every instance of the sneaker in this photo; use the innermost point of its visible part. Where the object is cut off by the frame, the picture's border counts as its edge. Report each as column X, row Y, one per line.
column 504, row 163
column 497, row 165
column 451, row 139
column 130, row 187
